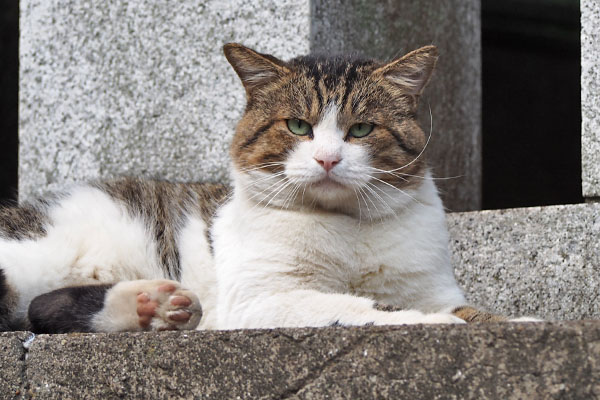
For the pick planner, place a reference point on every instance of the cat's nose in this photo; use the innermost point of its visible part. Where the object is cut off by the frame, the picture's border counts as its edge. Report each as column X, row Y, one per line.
column 328, row 162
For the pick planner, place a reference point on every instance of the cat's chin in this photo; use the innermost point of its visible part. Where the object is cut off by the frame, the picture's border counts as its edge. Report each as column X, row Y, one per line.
column 329, row 193
column 328, row 184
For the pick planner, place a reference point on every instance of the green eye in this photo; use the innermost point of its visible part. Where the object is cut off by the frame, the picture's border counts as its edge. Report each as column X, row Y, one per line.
column 361, row 130
column 299, row 127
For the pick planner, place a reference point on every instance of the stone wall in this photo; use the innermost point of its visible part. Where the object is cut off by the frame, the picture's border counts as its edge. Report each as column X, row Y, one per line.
column 142, row 88
column 539, row 261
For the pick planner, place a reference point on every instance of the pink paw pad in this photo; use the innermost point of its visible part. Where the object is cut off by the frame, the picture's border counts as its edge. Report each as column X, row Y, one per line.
column 166, row 307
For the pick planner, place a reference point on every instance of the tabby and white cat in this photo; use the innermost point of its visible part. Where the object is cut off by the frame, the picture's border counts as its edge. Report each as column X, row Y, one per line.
column 332, row 212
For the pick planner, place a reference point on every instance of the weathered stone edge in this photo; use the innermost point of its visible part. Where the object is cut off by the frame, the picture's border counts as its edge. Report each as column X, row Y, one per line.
column 510, row 360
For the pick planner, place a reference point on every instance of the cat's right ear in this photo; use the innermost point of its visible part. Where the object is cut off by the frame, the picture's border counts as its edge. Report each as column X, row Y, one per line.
column 254, row 69
column 411, row 72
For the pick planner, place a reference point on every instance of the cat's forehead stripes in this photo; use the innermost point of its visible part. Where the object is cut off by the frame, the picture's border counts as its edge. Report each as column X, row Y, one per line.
column 333, row 79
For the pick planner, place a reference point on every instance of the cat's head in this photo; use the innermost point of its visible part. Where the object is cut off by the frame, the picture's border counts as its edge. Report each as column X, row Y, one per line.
column 338, row 133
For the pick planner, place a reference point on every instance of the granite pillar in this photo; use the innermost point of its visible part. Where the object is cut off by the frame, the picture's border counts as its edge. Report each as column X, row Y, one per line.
column 590, row 98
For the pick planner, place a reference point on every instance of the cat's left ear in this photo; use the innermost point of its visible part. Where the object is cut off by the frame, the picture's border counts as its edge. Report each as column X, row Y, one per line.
column 412, row 71
column 253, row 68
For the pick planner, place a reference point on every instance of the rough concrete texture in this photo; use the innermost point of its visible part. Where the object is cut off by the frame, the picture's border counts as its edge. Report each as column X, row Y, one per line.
column 141, row 88
column 385, row 29
column 12, row 363
column 590, row 97
column 541, row 261
column 496, row 361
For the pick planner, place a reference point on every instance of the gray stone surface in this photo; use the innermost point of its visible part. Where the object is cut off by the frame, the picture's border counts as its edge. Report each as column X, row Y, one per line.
column 138, row 88
column 541, row 261
column 496, row 361
column 385, row 29
column 12, row 364
column 590, row 97
column 141, row 88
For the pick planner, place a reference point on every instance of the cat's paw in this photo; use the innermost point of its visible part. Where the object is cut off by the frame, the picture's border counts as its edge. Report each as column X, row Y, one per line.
column 164, row 305
column 441, row 318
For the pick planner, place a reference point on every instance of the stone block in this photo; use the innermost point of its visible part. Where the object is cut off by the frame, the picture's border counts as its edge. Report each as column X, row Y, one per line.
column 138, row 88
column 590, row 97
column 539, row 261
column 141, row 88
column 496, row 361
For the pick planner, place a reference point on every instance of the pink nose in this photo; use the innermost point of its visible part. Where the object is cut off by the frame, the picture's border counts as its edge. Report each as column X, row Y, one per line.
column 328, row 162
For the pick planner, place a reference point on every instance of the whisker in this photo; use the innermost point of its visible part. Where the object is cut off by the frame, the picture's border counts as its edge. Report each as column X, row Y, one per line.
column 426, row 143
column 372, row 202
column 398, row 189
column 402, row 174
column 360, row 192
column 261, row 166
column 264, row 178
column 291, row 195
column 388, row 172
column 265, row 197
column 264, row 190
column 303, row 191
column 279, row 191
column 379, row 198
column 359, row 208
column 391, row 198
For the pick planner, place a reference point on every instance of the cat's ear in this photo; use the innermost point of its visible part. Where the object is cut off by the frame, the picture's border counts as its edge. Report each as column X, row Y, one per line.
column 412, row 71
column 253, row 68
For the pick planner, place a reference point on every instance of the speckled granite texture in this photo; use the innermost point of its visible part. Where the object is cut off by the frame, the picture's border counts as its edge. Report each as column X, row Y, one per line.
column 541, row 261
column 590, row 97
column 141, row 88
column 495, row 361
column 138, row 88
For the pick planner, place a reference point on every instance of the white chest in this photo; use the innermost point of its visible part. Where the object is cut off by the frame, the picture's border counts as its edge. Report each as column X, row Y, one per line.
column 326, row 251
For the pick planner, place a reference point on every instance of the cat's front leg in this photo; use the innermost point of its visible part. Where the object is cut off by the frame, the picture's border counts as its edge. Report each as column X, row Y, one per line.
column 126, row 306
column 300, row 308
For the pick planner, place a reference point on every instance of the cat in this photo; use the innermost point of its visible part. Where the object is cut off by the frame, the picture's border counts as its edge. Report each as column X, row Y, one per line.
column 333, row 219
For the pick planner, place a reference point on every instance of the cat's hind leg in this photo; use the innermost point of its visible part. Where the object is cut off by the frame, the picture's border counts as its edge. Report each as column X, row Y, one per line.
column 126, row 306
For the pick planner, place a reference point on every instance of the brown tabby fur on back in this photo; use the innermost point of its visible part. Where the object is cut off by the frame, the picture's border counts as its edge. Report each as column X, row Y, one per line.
column 164, row 205
column 363, row 90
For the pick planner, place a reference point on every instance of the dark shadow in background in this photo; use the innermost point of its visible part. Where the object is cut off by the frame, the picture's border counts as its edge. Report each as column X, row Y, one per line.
column 531, row 102
column 9, row 89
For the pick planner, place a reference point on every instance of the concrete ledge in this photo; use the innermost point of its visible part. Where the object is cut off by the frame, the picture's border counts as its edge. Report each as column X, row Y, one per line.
column 540, row 261
column 496, row 361
column 12, row 363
